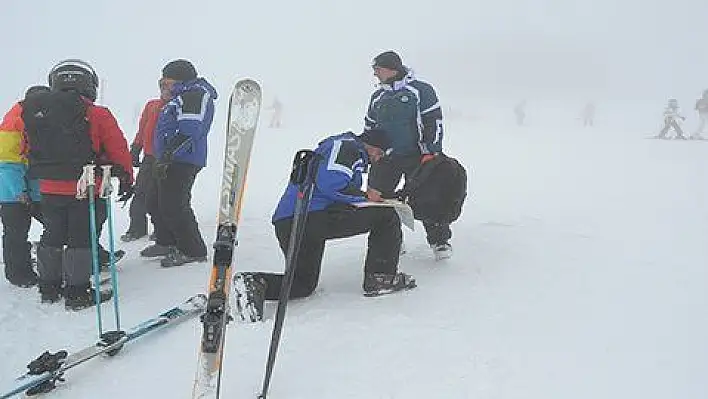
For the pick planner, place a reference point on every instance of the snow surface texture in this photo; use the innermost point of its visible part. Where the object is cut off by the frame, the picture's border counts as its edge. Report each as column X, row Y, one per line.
column 578, row 272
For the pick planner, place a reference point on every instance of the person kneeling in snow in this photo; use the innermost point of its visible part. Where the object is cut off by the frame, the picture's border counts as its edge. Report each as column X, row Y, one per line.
column 332, row 215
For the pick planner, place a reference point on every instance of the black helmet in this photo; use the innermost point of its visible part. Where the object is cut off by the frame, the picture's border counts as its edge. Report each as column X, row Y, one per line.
column 74, row 75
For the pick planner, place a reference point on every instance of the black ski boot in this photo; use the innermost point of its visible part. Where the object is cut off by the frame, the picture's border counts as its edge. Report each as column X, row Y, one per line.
column 50, row 292
column 104, row 258
column 131, row 236
column 177, row 258
column 376, row 284
column 250, row 296
column 83, row 296
column 23, row 280
column 155, row 250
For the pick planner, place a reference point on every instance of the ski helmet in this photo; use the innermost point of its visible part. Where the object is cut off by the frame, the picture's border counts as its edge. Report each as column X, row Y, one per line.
column 673, row 103
column 76, row 75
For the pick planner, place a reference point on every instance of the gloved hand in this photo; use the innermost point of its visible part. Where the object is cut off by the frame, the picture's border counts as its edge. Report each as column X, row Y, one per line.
column 125, row 190
column 135, row 154
column 426, row 157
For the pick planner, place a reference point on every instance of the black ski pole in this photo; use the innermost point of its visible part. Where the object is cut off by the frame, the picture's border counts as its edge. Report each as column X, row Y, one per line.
column 303, row 175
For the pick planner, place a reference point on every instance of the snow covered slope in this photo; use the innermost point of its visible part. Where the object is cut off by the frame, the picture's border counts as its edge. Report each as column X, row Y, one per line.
column 579, row 272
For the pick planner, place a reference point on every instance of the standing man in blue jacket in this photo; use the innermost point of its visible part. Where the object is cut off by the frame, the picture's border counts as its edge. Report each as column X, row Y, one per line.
column 332, row 214
column 180, row 150
column 408, row 111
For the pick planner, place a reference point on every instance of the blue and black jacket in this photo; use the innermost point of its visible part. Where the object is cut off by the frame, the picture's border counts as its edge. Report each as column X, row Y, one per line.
column 185, row 121
column 408, row 111
column 339, row 176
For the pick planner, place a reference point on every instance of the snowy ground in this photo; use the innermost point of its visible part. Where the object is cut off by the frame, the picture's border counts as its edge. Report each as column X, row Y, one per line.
column 579, row 272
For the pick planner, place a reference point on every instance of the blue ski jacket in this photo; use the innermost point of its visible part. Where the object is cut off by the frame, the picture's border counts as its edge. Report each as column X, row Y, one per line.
column 185, row 121
column 409, row 112
column 339, row 176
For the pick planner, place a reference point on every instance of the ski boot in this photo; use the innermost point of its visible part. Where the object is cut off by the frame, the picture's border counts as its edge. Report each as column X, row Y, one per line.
column 376, row 284
column 441, row 251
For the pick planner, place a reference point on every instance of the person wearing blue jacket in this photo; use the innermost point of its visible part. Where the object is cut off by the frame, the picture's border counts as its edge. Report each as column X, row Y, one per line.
column 19, row 197
column 408, row 111
column 180, row 150
column 332, row 214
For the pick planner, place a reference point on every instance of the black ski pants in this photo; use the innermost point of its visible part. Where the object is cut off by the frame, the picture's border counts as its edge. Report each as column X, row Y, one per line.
column 171, row 210
column 385, row 176
column 145, row 186
column 67, row 222
column 338, row 221
column 16, row 220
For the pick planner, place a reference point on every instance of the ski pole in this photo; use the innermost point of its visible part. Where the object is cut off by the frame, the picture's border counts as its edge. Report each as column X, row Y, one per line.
column 87, row 186
column 303, row 175
column 106, row 191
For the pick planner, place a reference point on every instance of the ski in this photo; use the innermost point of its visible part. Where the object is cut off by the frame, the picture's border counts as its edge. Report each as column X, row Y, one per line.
column 49, row 368
column 242, row 121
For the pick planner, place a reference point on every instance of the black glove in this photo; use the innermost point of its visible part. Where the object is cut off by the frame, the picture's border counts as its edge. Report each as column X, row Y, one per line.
column 135, row 153
column 125, row 191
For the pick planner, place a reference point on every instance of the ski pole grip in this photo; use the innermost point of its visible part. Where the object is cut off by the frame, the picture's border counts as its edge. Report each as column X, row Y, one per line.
column 301, row 164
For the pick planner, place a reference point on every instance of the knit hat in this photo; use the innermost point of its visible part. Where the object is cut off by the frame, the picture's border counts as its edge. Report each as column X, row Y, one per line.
column 32, row 90
column 376, row 138
column 389, row 60
column 180, row 70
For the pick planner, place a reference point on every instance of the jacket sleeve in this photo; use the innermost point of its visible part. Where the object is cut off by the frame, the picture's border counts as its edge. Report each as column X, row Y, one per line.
column 192, row 108
column 431, row 120
column 335, row 175
column 112, row 140
column 370, row 117
column 139, row 139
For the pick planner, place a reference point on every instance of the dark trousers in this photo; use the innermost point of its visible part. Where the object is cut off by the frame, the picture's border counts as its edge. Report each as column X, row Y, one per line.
column 174, row 220
column 385, row 176
column 67, row 223
column 16, row 220
column 144, row 185
column 384, row 244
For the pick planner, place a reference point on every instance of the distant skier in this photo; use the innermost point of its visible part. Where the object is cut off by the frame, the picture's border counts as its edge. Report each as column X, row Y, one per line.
column 332, row 215
column 276, row 117
column 702, row 108
column 520, row 112
column 588, row 114
column 672, row 116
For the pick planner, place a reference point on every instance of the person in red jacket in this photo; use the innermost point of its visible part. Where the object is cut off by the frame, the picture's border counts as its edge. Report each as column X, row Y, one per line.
column 65, row 130
column 145, row 184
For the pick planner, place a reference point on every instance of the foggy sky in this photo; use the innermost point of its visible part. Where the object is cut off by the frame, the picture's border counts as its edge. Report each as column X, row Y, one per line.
column 320, row 51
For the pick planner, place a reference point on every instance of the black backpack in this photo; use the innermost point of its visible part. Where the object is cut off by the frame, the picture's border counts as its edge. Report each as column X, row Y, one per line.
column 436, row 190
column 58, row 135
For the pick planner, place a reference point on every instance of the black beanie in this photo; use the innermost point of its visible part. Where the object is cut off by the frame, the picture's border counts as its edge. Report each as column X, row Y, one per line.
column 181, row 70
column 376, row 138
column 390, row 60
column 32, row 90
